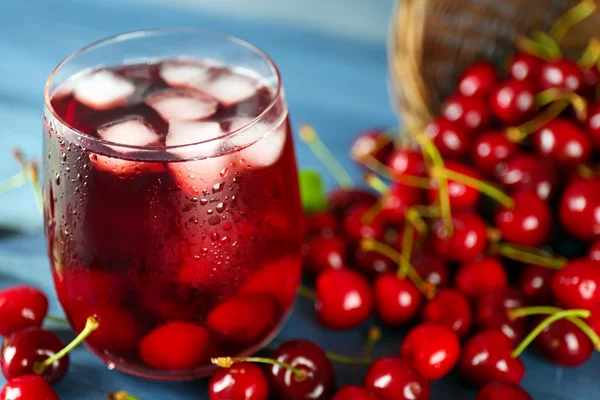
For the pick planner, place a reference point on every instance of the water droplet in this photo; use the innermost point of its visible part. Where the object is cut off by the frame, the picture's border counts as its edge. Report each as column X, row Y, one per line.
column 214, row 236
column 214, row 220
column 225, row 239
column 64, row 157
column 233, row 244
column 57, row 179
column 218, row 187
column 220, row 207
column 188, row 207
column 236, row 218
column 205, row 250
column 223, row 172
column 110, row 365
column 203, row 202
column 209, row 211
column 194, row 199
column 227, row 226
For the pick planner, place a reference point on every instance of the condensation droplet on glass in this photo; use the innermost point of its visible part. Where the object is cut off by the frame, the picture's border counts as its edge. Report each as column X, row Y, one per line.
column 205, row 250
column 220, row 207
column 218, row 187
column 227, row 226
column 225, row 239
column 194, row 199
column 64, row 157
column 57, row 179
column 214, row 220
column 214, row 236
column 203, row 202
column 209, row 211
column 110, row 365
column 223, row 172
column 233, row 244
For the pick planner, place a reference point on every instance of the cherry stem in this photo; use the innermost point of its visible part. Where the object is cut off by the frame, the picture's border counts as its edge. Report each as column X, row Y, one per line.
column 377, row 184
column 544, row 324
column 494, row 235
column 404, row 266
column 226, row 362
column 90, row 326
column 121, row 395
column 519, row 133
column 554, row 94
column 307, row 292
column 483, row 187
column 430, row 151
column 572, row 17
column 591, row 55
column 55, row 318
column 373, row 337
column 13, row 182
column 548, row 310
column 586, row 171
column 413, row 216
column 548, row 42
column 309, row 136
column 533, row 47
column 346, row 359
column 371, row 213
column 428, row 211
column 531, row 255
column 374, row 165
column 32, row 172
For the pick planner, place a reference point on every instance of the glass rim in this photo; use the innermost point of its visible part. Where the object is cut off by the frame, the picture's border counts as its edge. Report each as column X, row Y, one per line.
column 126, row 36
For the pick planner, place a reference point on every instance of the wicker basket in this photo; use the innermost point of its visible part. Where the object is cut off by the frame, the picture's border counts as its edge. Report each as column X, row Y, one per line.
column 432, row 41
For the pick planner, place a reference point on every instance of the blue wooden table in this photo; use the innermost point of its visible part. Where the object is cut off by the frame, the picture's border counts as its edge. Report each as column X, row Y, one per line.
column 335, row 81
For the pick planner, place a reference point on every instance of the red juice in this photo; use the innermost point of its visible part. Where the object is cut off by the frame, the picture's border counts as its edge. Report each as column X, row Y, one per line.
column 172, row 206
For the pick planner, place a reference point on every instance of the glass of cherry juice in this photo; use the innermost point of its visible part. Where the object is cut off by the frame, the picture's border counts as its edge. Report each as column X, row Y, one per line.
column 171, row 200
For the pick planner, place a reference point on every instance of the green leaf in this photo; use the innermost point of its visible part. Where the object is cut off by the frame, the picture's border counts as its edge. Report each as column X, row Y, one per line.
column 312, row 191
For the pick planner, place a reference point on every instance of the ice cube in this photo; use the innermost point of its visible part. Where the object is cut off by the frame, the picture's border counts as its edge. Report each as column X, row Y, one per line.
column 182, row 105
column 195, row 176
column 267, row 149
column 228, row 87
column 103, row 90
column 181, row 73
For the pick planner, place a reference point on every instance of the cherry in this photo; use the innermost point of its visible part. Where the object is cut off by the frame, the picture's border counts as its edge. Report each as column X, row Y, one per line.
column 321, row 254
column 564, row 343
column 461, row 196
column 392, row 378
column 592, row 79
column 407, row 161
column 593, row 124
column 579, row 209
column 449, row 308
column 395, row 203
column 319, row 381
column 470, row 112
column 594, row 251
column 577, row 285
column 354, row 393
column 450, row 138
column 278, row 278
column 371, row 263
column 486, row 358
column 341, row 199
column 562, row 74
column 468, row 240
column 478, row 79
column 355, row 228
column 28, row 387
column 524, row 66
column 243, row 380
column 528, row 172
column 502, row 391
column 343, row 299
column 397, row 301
column 21, row 307
column 244, row 319
column 534, row 284
column 432, row 349
column 21, row 350
column 513, row 101
column 478, row 277
column 528, row 223
column 430, row 268
column 320, row 224
column 564, row 142
column 368, row 143
column 491, row 149
column 491, row 312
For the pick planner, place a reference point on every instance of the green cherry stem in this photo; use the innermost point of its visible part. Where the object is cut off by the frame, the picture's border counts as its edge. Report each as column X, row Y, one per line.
column 55, row 318
column 90, row 326
column 346, row 359
column 544, row 324
column 13, row 182
column 307, row 292
column 572, row 17
column 535, row 48
column 548, row 42
column 309, row 136
column 530, row 255
column 121, row 395
column 519, row 133
column 552, row 95
column 226, row 362
column 373, row 337
column 30, row 168
column 377, row 184
column 591, row 54
column 374, row 165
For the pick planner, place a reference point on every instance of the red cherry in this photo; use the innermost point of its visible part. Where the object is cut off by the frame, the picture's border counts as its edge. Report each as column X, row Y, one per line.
column 371, row 263
column 470, row 112
column 397, row 301
column 321, row 254
column 432, row 349
column 307, row 356
column 592, row 79
column 528, row 172
column 243, row 380
column 486, row 358
column 28, row 387
column 449, row 308
column 478, row 277
column 593, row 123
column 502, row 391
column 562, row 74
column 21, row 307
column 528, row 223
column 320, row 224
column 524, row 66
column 395, row 203
column 22, row 349
column 431, row 269
column 513, row 101
column 468, row 240
column 407, row 161
column 594, row 320
column 356, row 229
column 594, row 251
column 367, row 144
column 534, row 283
column 176, row 346
column 392, row 378
column 491, row 312
column 450, row 138
column 564, row 344
column 579, row 209
column 461, row 196
column 564, row 142
column 478, row 79
column 577, row 285
column 343, row 299
column 354, row 393
column 244, row 319
column 340, row 199
column 491, row 149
